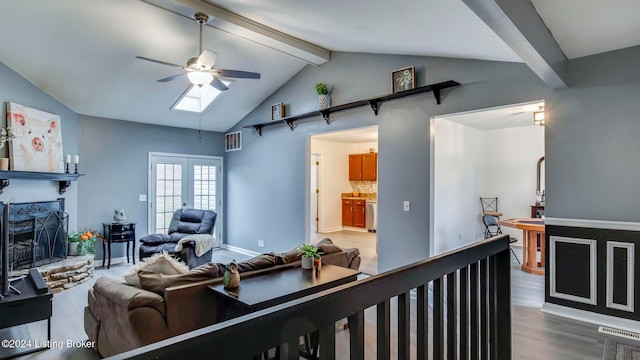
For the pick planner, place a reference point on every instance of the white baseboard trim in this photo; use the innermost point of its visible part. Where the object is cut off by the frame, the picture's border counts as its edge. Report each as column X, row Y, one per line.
column 350, row 228
column 114, row 261
column 598, row 224
column 239, row 250
column 330, row 230
column 591, row 317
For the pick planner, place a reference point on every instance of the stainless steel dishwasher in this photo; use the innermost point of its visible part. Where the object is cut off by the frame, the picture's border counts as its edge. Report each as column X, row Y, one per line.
column 371, row 221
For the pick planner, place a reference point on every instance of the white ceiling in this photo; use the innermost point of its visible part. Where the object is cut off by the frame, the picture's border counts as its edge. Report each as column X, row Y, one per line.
column 588, row 27
column 503, row 117
column 83, row 52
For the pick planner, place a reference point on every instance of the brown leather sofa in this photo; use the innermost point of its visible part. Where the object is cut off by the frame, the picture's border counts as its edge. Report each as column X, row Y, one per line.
column 120, row 317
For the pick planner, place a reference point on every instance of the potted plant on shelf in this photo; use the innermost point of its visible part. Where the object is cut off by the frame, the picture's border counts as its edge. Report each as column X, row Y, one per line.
column 81, row 243
column 323, row 95
column 309, row 254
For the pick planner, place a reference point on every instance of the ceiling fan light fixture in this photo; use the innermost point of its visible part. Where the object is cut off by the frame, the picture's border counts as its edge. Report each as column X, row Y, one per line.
column 199, row 78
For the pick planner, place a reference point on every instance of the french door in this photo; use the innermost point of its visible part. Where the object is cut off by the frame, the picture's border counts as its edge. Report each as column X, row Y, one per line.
column 178, row 180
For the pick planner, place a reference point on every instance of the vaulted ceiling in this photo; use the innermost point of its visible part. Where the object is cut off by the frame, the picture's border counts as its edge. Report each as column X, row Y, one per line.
column 82, row 52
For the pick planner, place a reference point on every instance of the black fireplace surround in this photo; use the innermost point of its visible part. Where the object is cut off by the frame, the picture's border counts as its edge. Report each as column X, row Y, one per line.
column 37, row 234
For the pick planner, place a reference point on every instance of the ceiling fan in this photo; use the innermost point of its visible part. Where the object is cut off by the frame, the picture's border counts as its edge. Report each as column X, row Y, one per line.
column 200, row 70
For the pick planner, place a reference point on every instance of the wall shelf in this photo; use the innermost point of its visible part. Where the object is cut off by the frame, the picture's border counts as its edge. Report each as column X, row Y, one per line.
column 375, row 104
column 64, row 179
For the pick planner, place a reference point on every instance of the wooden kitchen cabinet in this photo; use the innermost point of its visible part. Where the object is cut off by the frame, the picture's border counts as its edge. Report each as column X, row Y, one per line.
column 363, row 166
column 353, row 213
column 347, row 213
column 370, row 166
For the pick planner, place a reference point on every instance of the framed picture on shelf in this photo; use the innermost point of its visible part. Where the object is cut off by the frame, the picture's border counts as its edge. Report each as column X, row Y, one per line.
column 277, row 111
column 403, row 79
column 38, row 139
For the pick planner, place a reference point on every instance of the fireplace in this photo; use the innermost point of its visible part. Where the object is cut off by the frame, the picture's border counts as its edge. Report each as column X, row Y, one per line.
column 37, row 234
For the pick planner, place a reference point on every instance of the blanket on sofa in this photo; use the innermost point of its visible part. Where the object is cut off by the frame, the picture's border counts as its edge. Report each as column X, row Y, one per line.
column 203, row 243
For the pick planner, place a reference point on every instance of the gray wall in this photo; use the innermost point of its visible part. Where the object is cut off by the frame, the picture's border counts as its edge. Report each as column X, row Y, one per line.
column 592, row 147
column 266, row 180
column 114, row 157
column 15, row 88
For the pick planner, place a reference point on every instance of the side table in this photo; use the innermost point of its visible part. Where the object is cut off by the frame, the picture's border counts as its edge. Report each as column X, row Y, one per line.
column 119, row 232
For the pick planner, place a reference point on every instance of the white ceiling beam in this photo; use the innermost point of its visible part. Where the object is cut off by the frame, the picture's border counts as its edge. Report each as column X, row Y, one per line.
column 239, row 25
column 521, row 28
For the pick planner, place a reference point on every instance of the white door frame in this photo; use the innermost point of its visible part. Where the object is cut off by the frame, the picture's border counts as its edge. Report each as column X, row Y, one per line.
column 219, row 185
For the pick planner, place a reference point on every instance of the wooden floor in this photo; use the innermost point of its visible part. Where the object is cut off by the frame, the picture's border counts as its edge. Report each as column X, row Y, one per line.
column 535, row 335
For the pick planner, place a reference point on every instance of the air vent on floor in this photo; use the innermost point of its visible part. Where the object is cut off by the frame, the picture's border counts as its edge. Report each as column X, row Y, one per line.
column 233, row 141
column 619, row 333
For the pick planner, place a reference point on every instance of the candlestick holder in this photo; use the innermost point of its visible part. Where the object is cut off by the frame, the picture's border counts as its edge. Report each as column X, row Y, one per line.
column 76, row 169
column 66, row 171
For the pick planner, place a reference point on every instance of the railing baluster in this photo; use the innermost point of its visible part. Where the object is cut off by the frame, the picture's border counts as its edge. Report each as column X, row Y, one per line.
column 438, row 319
column 452, row 302
column 384, row 330
column 422, row 322
column 473, row 310
column 327, row 340
column 493, row 340
column 483, row 310
column 404, row 326
column 503, row 304
column 356, row 335
column 290, row 350
column 464, row 316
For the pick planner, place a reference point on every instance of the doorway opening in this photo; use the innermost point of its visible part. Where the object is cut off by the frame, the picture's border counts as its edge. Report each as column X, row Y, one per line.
column 182, row 180
column 342, row 202
column 485, row 153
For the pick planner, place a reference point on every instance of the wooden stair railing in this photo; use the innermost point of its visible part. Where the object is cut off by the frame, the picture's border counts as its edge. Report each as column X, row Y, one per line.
column 470, row 309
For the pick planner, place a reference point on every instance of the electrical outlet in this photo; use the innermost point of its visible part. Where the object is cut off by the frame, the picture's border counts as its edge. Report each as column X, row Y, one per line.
column 260, row 243
column 143, row 197
column 407, row 205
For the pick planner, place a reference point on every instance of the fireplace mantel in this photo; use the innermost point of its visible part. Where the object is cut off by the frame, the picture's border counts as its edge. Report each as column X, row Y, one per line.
column 64, row 179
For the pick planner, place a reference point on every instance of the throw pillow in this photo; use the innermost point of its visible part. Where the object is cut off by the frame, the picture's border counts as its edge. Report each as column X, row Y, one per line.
column 160, row 263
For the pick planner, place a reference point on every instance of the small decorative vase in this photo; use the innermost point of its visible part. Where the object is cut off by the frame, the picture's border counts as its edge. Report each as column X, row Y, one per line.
column 72, row 249
column 119, row 216
column 317, row 263
column 307, row 263
column 324, row 101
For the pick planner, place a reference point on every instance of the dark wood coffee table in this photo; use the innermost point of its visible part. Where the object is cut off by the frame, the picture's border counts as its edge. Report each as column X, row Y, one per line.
column 279, row 286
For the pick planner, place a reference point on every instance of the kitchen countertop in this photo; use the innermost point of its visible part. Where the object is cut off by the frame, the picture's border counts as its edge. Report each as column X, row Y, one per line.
column 359, row 198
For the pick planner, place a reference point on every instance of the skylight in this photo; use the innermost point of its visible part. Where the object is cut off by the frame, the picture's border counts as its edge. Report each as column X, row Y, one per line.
column 198, row 98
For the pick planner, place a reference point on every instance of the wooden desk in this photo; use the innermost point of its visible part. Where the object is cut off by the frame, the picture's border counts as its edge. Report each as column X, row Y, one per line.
column 531, row 228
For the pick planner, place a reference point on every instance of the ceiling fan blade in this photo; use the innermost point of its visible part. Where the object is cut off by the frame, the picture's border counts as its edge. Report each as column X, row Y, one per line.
column 170, row 78
column 158, row 61
column 207, row 59
column 216, row 83
column 236, row 74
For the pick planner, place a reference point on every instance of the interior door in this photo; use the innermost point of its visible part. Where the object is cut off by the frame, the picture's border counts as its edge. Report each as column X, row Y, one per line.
column 176, row 181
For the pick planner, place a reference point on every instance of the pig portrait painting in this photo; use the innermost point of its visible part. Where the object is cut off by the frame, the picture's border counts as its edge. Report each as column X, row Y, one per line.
column 38, row 140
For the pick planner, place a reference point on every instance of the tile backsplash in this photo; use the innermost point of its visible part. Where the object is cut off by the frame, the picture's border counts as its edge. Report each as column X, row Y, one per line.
column 364, row 186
